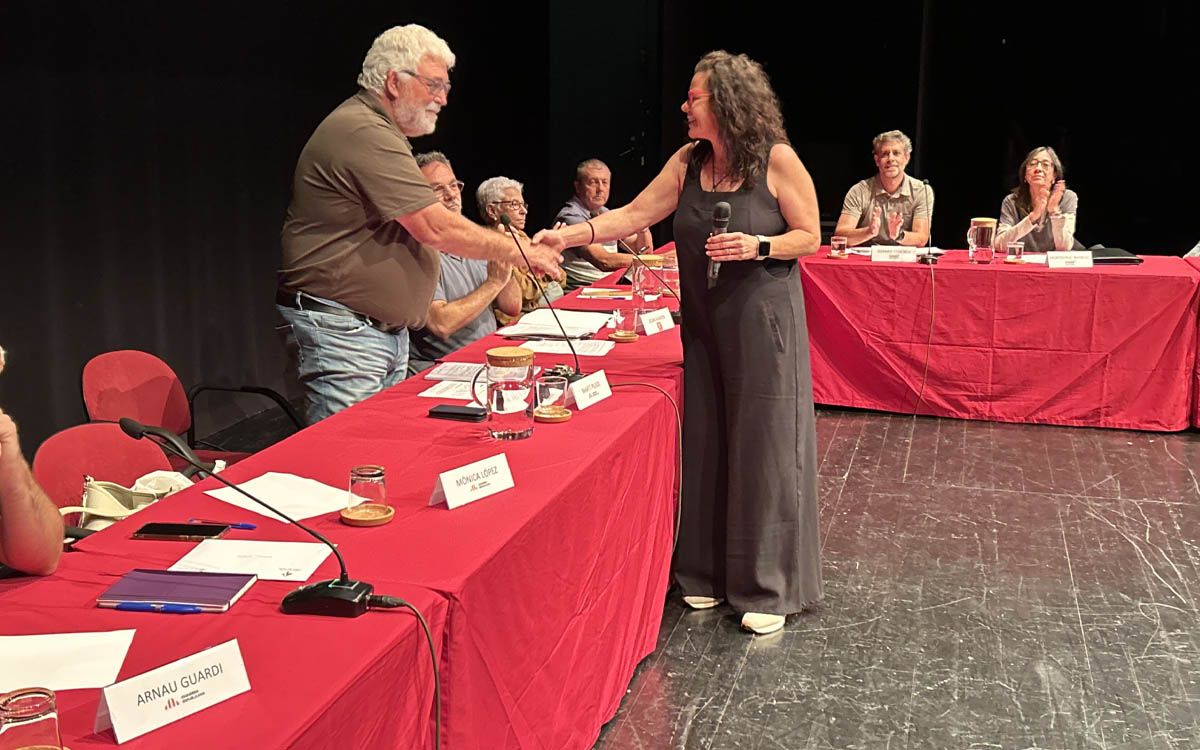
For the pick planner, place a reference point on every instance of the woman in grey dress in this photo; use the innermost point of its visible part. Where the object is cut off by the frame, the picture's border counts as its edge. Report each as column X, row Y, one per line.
column 1039, row 211
column 749, row 530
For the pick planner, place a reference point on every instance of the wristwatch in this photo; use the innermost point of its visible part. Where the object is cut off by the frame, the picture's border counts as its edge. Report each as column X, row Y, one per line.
column 764, row 247
column 900, row 236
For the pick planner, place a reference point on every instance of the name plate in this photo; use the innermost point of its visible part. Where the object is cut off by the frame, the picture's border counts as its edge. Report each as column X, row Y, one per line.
column 893, row 254
column 168, row 693
column 1069, row 259
column 469, row 483
column 589, row 390
column 657, row 321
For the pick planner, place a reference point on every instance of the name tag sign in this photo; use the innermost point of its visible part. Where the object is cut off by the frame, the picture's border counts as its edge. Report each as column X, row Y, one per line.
column 168, row 693
column 469, row 483
column 1069, row 259
column 589, row 390
column 657, row 321
column 893, row 254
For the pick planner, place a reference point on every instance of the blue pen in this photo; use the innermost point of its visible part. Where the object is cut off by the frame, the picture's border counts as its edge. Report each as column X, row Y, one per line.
column 170, row 609
column 243, row 526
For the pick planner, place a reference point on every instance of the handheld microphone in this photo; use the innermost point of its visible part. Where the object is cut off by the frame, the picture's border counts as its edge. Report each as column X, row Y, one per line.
column 340, row 597
column 572, row 376
column 720, row 223
column 928, row 258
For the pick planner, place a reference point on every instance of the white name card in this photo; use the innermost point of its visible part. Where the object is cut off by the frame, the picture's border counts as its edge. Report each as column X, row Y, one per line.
column 893, row 254
column 168, row 693
column 588, row 390
column 657, row 321
column 1069, row 259
column 469, row 483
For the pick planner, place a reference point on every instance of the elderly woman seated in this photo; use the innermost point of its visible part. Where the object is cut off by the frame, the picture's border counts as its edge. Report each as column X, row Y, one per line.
column 501, row 196
column 1039, row 211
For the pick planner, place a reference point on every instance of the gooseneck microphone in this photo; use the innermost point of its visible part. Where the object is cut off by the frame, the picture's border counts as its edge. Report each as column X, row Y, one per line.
column 578, row 374
column 720, row 223
column 340, row 597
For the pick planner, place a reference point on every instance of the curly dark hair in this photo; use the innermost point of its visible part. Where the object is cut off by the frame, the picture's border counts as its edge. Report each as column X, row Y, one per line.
column 747, row 113
column 1021, row 194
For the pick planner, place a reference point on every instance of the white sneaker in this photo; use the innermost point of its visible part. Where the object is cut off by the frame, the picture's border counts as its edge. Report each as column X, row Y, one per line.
column 761, row 623
column 701, row 602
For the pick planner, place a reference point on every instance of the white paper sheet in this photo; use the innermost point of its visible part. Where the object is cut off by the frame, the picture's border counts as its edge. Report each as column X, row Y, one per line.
column 299, row 497
column 455, row 390
column 586, row 348
column 270, row 561
column 541, row 323
column 463, row 371
column 63, row 661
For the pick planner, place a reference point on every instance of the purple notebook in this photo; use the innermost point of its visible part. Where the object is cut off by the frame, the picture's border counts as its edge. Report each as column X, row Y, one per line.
column 211, row 592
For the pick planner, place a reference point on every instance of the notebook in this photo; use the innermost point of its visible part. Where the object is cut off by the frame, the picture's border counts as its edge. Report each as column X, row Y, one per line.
column 211, row 592
column 1114, row 256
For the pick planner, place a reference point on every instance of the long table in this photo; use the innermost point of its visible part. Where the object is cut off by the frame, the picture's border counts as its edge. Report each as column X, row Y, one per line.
column 1110, row 346
column 315, row 682
column 543, row 598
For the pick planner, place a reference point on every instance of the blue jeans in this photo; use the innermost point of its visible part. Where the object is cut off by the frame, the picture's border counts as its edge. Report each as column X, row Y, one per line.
column 342, row 360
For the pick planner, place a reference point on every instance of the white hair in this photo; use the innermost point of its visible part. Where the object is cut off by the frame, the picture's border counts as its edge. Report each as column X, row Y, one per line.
column 492, row 190
column 401, row 48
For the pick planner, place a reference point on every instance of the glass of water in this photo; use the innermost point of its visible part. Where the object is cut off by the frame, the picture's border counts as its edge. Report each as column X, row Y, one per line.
column 1016, row 252
column 368, row 484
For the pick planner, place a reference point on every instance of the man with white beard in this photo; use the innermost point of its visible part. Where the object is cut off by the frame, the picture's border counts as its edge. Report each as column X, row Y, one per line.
column 359, row 264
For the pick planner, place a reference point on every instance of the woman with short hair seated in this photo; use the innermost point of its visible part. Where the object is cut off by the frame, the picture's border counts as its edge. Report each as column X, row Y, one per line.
column 1039, row 211
column 500, row 196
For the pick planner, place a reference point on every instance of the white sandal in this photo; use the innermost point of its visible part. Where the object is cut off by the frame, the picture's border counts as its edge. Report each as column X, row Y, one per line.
column 701, row 602
column 762, row 623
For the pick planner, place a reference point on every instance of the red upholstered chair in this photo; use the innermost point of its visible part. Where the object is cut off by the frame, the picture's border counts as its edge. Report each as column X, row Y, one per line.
column 135, row 384
column 99, row 450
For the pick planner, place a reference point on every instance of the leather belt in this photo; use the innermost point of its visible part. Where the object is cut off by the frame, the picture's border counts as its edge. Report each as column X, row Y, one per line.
column 289, row 299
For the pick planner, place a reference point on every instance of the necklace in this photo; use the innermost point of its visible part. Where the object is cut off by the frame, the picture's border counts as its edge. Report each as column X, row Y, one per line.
column 712, row 165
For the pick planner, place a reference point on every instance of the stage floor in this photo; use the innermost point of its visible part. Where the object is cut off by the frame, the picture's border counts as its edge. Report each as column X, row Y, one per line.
column 987, row 586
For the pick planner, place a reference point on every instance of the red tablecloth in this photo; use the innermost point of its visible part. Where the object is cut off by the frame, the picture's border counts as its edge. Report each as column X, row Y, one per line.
column 556, row 587
column 1195, row 264
column 316, row 682
column 1111, row 346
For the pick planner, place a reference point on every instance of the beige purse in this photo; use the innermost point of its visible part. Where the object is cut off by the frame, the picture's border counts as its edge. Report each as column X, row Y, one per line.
column 105, row 503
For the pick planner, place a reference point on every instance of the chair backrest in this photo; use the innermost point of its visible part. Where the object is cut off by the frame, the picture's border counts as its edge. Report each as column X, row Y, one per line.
column 130, row 383
column 98, row 449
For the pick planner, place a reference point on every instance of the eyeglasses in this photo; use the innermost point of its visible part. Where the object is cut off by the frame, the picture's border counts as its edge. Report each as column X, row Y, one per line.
column 434, row 85
column 450, row 188
column 695, row 95
column 1043, row 163
column 512, row 205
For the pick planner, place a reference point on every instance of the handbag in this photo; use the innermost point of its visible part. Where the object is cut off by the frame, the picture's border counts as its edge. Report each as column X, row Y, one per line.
column 105, row 503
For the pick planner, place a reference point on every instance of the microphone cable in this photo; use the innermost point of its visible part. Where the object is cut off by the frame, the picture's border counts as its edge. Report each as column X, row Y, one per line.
column 932, row 303
column 678, row 453
column 507, row 222
column 395, row 602
column 928, row 338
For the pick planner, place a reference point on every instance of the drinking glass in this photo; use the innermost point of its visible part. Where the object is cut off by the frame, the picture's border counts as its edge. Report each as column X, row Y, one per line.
column 29, row 720
column 368, row 484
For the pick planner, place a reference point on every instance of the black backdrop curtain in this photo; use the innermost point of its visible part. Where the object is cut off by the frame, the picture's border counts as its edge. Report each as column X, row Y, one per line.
column 146, row 149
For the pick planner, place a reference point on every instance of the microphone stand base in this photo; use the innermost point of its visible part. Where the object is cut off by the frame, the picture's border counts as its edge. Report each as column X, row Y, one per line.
column 928, row 259
column 334, row 598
